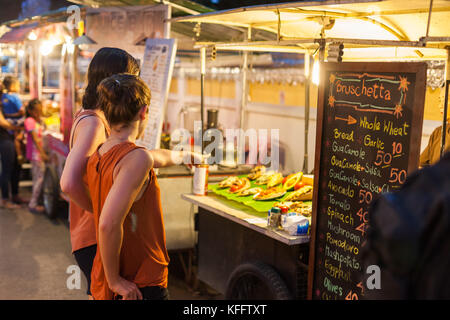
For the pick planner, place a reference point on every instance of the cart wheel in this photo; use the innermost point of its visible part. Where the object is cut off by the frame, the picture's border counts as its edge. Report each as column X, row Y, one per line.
column 256, row 281
column 51, row 193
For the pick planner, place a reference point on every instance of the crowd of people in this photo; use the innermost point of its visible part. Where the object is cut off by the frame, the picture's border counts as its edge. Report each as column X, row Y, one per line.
column 116, row 222
column 21, row 128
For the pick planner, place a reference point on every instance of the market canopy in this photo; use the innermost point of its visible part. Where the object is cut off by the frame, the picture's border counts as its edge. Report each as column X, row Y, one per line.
column 17, row 34
column 185, row 33
column 401, row 25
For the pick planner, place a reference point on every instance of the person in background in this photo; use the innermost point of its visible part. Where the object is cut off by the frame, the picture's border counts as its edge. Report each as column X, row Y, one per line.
column 12, row 105
column 132, row 260
column 34, row 127
column 9, row 129
column 432, row 153
column 14, row 112
column 89, row 130
column 409, row 237
column 9, row 175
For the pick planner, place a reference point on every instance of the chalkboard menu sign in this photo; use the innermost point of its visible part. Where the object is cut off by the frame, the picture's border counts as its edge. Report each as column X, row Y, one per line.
column 369, row 130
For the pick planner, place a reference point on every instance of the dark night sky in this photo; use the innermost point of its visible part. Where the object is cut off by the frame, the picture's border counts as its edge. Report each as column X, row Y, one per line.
column 229, row 4
column 10, row 9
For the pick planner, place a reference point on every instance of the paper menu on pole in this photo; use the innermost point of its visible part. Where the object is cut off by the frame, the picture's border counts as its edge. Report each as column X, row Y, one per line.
column 156, row 71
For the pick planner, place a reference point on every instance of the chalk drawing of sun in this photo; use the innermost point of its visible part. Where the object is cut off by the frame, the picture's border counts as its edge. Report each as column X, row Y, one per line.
column 331, row 101
column 403, row 84
column 398, row 110
column 332, row 78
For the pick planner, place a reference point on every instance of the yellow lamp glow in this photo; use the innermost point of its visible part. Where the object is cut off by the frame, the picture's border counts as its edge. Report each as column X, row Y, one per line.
column 47, row 46
column 316, row 72
column 32, row 36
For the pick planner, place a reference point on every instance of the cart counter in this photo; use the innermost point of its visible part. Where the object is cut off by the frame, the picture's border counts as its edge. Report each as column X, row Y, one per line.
column 242, row 216
column 243, row 259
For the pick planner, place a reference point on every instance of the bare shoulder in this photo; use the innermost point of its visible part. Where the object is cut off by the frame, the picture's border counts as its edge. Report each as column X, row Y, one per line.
column 139, row 160
column 87, row 128
column 90, row 122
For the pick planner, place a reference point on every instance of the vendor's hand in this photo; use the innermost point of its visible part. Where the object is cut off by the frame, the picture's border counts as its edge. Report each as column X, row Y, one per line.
column 197, row 158
column 194, row 158
column 127, row 289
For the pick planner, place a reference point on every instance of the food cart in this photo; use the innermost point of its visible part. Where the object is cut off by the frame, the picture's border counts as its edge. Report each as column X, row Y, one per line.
column 238, row 254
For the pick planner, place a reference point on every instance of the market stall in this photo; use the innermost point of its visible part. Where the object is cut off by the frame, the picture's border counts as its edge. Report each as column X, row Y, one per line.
column 246, row 253
column 45, row 68
column 330, row 31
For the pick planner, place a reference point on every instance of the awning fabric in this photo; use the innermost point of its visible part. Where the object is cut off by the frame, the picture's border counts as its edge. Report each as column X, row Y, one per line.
column 17, row 34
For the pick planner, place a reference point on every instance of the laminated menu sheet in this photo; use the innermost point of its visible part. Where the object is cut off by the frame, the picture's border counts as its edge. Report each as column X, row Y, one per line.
column 157, row 71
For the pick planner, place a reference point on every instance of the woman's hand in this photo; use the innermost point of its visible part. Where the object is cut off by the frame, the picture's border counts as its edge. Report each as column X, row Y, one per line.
column 127, row 289
column 197, row 158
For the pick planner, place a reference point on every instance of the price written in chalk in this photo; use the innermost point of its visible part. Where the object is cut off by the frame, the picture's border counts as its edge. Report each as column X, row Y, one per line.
column 365, row 152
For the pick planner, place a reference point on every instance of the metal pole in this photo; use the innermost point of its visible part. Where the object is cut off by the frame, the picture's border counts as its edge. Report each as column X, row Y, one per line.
column 39, row 72
column 429, row 17
column 74, row 80
column 202, row 89
column 444, row 121
column 16, row 67
column 307, row 71
column 244, row 95
column 244, row 90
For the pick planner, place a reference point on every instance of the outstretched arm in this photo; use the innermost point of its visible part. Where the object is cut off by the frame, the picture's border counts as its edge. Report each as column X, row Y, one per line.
column 166, row 158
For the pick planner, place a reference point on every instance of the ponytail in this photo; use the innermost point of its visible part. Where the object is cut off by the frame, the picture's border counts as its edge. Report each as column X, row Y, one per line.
column 121, row 97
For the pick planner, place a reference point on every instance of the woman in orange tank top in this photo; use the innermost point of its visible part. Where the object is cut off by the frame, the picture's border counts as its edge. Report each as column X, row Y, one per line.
column 89, row 130
column 131, row 260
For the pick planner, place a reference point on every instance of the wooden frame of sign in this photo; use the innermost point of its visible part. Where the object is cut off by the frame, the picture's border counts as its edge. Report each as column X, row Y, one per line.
column 369, row 127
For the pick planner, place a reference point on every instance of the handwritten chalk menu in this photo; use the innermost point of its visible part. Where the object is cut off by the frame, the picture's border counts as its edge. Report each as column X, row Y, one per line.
column 156, row 71
column 368, row 137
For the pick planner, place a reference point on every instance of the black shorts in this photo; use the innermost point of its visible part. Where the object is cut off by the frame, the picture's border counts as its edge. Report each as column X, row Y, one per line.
column 152, row 293
column 85, row 259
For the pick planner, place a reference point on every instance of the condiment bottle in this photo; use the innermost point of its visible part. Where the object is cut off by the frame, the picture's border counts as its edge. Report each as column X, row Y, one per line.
column 275, row 218
column 200, row 183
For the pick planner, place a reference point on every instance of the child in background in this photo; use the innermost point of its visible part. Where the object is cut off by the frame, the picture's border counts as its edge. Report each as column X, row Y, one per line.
column 13, row 111
column 34, row 127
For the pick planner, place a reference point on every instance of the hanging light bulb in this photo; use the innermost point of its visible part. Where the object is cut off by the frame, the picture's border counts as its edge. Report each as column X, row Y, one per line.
column 32, row 36
column 316, row 72
column 47, row 46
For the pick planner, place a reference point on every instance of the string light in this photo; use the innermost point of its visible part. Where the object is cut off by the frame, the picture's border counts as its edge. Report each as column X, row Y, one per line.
column 316, row 72
column 47, row 46
column 32, row 36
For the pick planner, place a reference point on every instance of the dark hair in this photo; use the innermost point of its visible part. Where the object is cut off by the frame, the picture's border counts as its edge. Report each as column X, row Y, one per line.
column 1, row 94
column 31, row 106
column 8, row 82
column 121, row 96
column 106, row 62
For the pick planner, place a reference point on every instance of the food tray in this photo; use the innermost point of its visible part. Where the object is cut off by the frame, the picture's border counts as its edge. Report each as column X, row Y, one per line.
column 257, row 205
